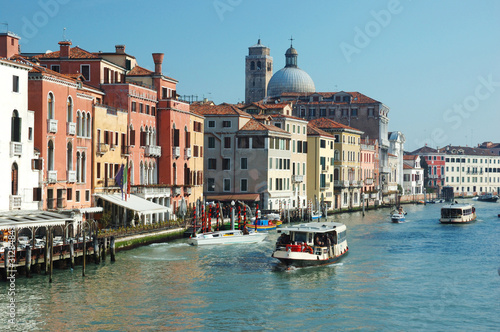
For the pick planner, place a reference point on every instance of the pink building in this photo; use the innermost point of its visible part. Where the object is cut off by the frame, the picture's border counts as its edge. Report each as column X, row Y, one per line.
column 436, row 166
column 369, row 165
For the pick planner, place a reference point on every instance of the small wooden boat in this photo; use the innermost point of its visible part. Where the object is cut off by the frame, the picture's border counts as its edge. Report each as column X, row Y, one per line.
column 262, row 225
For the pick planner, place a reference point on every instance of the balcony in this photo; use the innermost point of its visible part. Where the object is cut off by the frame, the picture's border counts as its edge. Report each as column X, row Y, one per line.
column 341, row 183
column 15, row 202
column 187, row 152
column 52, row 126
column 71, row 176
column 368, row 182
column 297, row 178
column 52, row 176
column 16, row 149
column 176, row 191
column 153, row 151
column 151, row 190
column 187, row 191
column 354, row 183
column 102, row 148
column 71, row 128
column 125, row 150
column 176, row 152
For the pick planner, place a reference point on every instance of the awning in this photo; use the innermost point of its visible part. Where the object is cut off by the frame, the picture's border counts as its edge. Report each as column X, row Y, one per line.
column 25, row 219
column 94, row 209
column 233, row 197
column 134, row 203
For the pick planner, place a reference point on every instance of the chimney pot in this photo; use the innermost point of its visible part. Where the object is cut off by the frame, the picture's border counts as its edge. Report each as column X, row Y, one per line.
column 64, row 47
column 158, row 60
column 120, row 49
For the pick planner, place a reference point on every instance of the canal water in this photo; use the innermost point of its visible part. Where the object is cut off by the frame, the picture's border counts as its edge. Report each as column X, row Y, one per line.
column 418, row 275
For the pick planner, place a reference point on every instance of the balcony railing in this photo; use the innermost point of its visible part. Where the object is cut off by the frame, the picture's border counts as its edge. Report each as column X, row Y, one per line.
column 125, row 150
column 71, row 176
column 176, row 152
column 297, row 178
column 102, row 148
column 187, row 190
column 341, row 183
column 151, row 190
column 71, row 128
column 153, row 151
column 187, row 152
column 52, row 126
column 355, row 183
column 16, row 149
column 52, row 176
column 15, row 202
column 368, row 182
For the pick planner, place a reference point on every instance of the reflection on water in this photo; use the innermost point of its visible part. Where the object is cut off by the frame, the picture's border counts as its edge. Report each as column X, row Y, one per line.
column 414, row 275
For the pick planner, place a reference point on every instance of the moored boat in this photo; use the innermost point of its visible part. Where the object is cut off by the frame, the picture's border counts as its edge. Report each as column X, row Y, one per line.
column 488, row 197
column 262, row 225
column 226, row 237
column 457, row 213
column 311, row 244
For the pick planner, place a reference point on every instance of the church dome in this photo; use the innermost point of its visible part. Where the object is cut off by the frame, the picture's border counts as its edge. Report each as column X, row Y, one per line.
column 291, row 78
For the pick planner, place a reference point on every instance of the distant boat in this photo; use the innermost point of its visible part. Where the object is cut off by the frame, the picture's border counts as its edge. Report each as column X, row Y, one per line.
column 398, row 216
column 488, row 197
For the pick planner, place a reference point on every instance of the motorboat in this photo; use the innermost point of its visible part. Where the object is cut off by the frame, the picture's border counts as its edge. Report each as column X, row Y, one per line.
column 488, row 197
column 262, row 225
column 311, row 244
column 457, row 213
column 316, row 215
column 226, row 237
column 398, row 215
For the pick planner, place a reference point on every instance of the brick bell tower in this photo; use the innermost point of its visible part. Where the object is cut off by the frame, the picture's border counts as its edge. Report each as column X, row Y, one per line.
column 258, row 72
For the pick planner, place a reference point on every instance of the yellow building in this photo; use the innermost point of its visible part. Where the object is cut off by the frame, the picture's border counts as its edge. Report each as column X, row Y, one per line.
column 320, row 153
column 346, row 162
column 195, row 156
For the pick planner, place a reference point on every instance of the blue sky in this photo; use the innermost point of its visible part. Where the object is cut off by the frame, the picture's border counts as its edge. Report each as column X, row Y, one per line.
column 435, row 64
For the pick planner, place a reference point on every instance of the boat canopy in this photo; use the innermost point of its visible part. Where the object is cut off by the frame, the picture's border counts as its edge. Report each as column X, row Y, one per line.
column 315, row 227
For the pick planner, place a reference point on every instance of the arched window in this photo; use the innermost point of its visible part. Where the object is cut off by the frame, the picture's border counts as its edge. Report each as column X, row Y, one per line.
column 83, row 131
column 14, row 179
column 78, row 123
column 50, row 106
column 252, row 65
column 78, row 167
column 50, row 156
column 258, row 65
column 89, row 127
column 131, row 179
column 69, row 156
column 141, row 175
column 336, row 155
column 69, row 111
column 336, row 174
column 84, row 168
column 150, row 171
column 186, row 174
column 15, row 127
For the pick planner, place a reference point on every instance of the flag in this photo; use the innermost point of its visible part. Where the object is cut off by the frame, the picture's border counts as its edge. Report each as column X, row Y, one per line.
column 119, row 179
column 125, row 182
column 128, row 180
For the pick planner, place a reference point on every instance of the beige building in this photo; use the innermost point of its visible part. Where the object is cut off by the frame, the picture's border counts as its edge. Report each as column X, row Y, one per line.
column 195, row 156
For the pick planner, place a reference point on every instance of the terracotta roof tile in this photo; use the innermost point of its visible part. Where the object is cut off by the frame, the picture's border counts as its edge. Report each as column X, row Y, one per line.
column 357, row 97
column 254, row 125
column 406, row 166
column 42, row 70
column 222, row 109
column 324, row 123
column 74, row 53
column 410, row 157
column 313, row 131
column 392, row 155
column 139, row 71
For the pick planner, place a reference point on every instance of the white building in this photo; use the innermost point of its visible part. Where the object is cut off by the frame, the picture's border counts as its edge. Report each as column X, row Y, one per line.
column 413, row 175
column 471, row 171
column 18, row 161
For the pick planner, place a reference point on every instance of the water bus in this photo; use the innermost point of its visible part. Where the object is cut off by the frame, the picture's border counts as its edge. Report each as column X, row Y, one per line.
column 227, row 237
column 457, row 213
column 311, row 244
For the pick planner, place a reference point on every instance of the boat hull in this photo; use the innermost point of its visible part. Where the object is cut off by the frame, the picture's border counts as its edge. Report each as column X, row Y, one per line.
column 463, row 220
column 309, row 261
column 224, row 237
column 261, row 228
column 398, row 218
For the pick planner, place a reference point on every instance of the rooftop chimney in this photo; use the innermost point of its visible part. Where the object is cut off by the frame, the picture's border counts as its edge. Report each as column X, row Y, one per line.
column 158, row 60
column 9, row 44
column 64, row 48
column 120, row 49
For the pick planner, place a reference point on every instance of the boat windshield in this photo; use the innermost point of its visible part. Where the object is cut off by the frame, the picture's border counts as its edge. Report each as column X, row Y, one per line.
column 300, row 237
column 451, row 213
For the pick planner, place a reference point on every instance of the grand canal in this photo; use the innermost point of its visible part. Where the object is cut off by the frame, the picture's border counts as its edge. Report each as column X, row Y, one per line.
column 419, row 275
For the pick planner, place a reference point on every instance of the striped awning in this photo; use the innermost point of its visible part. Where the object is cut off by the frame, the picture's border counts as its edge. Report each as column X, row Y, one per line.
column 26, row 219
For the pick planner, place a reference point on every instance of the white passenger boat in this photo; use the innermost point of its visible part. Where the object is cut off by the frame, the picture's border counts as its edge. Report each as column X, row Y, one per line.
column 311, row 244
column 226, row 237
column 398, row 215
column 457, row 213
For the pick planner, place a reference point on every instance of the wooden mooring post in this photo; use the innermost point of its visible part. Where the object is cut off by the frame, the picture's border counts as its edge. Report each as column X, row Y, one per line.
column 72, row 253
column 28, row 261
column 103, row 248
column 46, row 254
column 84, row 254
column 112, row 248
column 96, row 249
column 51, row 247
column 6, row 264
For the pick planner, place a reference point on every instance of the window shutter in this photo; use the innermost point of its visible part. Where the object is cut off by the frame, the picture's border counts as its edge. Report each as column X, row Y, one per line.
column 132, row 137
column 176, row 137
column 37, row 194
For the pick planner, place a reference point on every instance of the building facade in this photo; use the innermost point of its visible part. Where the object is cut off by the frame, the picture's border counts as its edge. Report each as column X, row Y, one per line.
column 258, row 72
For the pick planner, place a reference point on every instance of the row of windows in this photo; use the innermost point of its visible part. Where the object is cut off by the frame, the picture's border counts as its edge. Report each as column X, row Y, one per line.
column 64, row 195
column 473, row 179
column 471, row 170
column 146, row 109
column 323, row 112
column 474, row 161
column 279, row 184
column 226, row 164
column 280, row 163
column 414, row 177
column 226, row 185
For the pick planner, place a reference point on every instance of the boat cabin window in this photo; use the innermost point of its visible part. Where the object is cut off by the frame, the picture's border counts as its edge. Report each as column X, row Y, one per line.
column 342, row 236
column 300, row 237
column 451, row 213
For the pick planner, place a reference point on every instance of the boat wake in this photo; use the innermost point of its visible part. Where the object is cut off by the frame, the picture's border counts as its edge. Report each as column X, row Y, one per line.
column 171, row 245
column 166, row 259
